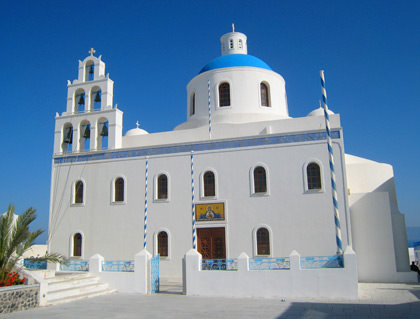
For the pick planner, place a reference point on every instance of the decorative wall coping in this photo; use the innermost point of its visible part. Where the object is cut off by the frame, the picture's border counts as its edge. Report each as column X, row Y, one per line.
column 197, row 147
column 17, row 287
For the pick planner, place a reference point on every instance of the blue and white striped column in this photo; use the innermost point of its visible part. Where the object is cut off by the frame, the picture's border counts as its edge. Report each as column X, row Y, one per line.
column 194, row 233
column 331, row 155
column 146, row 177
column 208, row 88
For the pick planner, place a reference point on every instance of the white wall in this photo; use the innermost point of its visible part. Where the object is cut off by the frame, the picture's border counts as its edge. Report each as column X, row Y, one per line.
column 298, row 219
column 378, row 228
column 372, row 239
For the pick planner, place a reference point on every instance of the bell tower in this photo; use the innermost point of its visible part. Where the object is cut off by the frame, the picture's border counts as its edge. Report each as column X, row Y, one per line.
column 90, row 122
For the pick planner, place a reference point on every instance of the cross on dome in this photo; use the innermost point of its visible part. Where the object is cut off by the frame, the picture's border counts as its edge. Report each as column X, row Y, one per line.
column 137, row 124
column 92, row 51
column 233, row 27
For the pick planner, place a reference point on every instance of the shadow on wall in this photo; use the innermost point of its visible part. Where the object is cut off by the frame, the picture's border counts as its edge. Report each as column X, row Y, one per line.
column 387, row 187
column 379, row 208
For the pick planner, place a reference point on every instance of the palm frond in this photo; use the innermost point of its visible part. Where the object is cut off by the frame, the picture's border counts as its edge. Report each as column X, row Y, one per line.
column 50, row 257
column 15, row 238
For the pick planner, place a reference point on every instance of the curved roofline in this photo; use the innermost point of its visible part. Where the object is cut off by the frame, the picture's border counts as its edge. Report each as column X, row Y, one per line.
column 235, row 60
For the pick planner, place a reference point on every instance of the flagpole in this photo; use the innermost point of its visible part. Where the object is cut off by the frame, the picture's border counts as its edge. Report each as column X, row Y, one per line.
column 208, row 88
column 146, row 177
column 194, row 236
column 331, row 158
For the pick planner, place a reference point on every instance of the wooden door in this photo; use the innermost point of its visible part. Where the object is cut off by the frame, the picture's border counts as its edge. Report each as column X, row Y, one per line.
column 211, row 243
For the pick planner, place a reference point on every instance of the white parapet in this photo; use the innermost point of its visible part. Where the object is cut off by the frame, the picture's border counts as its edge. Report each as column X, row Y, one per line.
column 294, row 282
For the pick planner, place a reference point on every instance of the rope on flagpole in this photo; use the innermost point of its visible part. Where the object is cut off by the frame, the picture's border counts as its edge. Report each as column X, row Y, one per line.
column 194, row 236
column 146, row 177
column 208, row 88
column 331, row 156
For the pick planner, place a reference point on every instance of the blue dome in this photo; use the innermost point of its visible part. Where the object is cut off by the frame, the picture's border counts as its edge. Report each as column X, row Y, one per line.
column 232, row 60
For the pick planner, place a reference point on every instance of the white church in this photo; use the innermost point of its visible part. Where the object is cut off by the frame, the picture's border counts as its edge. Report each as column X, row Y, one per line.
column 240, row 175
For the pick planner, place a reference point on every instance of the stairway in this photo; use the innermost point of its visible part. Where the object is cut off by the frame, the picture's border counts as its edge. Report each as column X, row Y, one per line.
column 171, row 286
column 70, row 286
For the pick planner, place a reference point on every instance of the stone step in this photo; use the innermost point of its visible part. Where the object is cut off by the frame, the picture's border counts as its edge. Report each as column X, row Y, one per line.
column 76, row 291
column 82, row 296
column 69, row 286
column 171, row 286
column 63, row 276
column 72, row 283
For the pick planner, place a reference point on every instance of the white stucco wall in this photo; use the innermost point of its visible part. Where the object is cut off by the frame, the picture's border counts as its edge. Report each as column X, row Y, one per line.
column 298, row 219
column 378, row 228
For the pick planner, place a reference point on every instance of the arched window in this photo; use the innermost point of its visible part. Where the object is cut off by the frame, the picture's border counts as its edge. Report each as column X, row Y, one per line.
column 78, row 192
column 119, row 190
column 263, row 241
column 162, row 187
column 224, row 94
column 240, row 44
column 260, row 180
column 162, row 244
column 209, row 184
column 313, row 173
column 265, row 99
column 77, row 245
column 192, row 105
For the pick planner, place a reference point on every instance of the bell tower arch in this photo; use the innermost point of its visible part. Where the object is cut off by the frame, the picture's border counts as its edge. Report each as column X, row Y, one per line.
column 89, row 101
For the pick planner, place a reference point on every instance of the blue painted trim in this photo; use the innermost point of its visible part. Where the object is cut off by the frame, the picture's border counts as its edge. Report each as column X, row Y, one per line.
column 75, row 265
column 197, row 147
column 269, row 263
column 155, row 274
column 235, row 60
column 317, row 262
column 31, row 263
column 118, row 265
column 219, row 264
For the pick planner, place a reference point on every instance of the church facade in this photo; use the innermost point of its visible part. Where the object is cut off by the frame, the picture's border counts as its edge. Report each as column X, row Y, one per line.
column 240, row 175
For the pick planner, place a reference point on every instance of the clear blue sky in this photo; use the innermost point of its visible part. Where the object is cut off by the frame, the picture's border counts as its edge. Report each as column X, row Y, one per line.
column 370, row 51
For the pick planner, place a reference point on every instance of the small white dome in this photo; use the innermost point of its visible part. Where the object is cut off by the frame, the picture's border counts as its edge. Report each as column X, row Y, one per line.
column 135, row 131
column 319, row 112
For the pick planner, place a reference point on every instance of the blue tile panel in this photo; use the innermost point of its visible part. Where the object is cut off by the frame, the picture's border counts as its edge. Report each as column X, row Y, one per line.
column 30, row 263
column 269, row 263
column 336, row 261
column 118, row 265
column 197, row 147
column 219, row 264
column 75, row 265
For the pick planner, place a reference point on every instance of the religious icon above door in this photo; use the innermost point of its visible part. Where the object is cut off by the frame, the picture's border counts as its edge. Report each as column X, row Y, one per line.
column 210, row 212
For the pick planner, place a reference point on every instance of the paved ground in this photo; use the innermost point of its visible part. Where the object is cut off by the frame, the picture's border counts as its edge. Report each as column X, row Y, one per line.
column 375, row 301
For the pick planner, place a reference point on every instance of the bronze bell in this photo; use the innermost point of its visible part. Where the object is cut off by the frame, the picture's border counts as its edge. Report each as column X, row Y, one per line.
column 86, row 133
column 91, row 69
column 81, row 99
column 97, row 97
column 104, row 131
column 68, row 135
